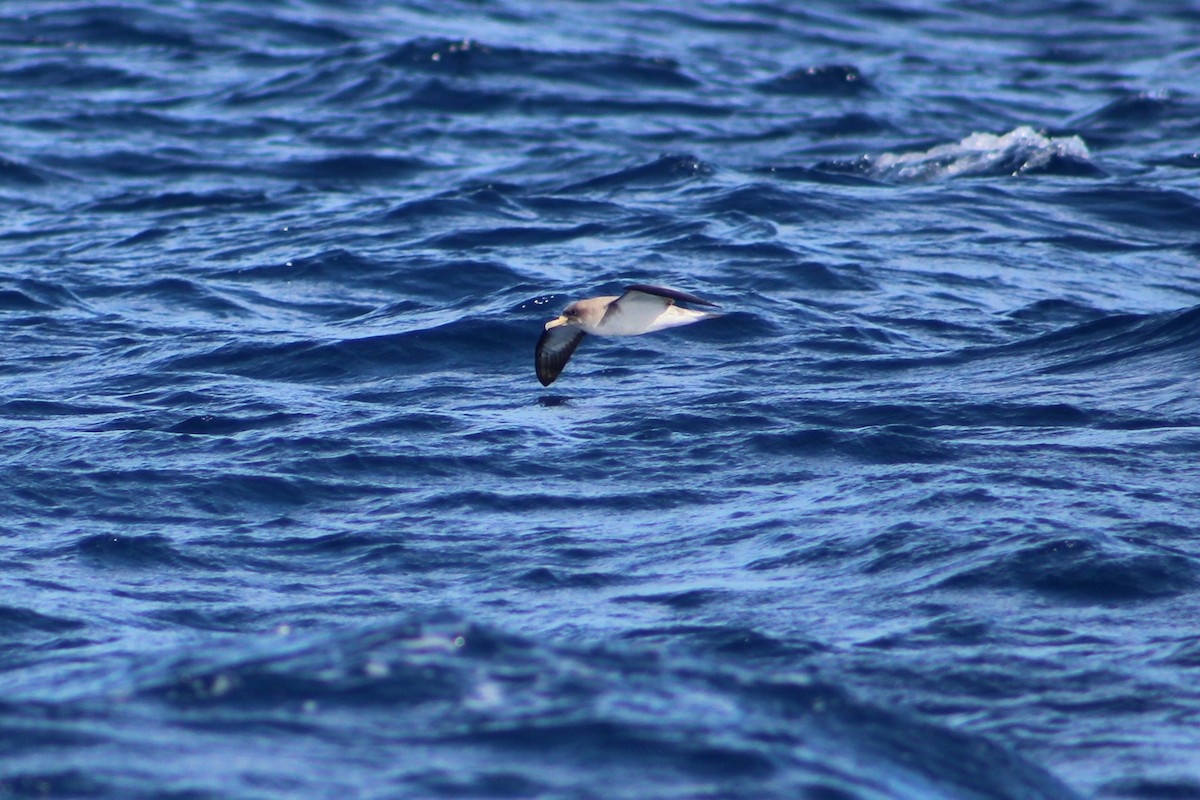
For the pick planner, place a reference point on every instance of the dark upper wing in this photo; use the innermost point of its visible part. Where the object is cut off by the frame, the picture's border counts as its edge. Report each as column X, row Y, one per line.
column 672, row 294
column 554, row 350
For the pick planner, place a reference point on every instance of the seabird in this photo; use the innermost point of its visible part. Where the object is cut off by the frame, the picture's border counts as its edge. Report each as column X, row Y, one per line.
column 641, row 309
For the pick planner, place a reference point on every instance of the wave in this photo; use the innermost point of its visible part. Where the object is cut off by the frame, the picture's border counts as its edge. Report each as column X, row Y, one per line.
column 828, row 79
column 463, row 343
column 616, row 500
column 175, row 293
column 1147, row 116
column 665, row 171
column 34, row 294
column 147, row 552
column 17, row 300
column 227, row 425
column 471, row 202
column 483, row 697
column 888, row 444
column 778, row 204
column 465, row 57
column 16, row 622
column 356, row 167
column 515, row 236
column 1166, row 340
column 1021, row 151
column 439, row 95
column 66, row 75
column 139, row 202
column 1149, row 208
column 108, row 26
column 1084, row 569
column 1113, row 339
column 16, row 172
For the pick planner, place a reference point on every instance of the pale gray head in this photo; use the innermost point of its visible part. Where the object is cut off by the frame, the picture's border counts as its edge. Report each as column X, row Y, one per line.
column 586, row 313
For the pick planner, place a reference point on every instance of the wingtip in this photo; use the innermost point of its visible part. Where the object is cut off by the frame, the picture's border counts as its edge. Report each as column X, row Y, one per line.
column 553, row 351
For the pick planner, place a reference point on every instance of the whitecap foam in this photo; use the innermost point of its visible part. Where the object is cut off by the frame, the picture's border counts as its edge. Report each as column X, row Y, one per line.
column 982, row 154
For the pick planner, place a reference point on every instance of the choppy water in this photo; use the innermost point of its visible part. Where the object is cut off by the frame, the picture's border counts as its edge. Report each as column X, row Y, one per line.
column 287, row 514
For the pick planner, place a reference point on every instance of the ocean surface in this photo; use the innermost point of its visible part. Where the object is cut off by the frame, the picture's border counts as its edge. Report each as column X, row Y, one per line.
column 285, row 513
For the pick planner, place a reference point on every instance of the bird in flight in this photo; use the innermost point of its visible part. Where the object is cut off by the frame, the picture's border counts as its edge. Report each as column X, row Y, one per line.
column 641, row 309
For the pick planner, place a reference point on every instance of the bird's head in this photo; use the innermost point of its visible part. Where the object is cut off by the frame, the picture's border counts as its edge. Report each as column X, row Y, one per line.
column 569, row 316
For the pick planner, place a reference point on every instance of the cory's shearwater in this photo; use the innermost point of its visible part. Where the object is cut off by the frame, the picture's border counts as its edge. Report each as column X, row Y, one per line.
column 642, row 309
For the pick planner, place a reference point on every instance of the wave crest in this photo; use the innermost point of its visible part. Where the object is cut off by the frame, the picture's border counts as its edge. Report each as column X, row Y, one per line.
column 1021, row 151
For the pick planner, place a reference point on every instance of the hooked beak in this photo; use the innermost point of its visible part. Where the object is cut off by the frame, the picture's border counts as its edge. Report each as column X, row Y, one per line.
column 554, row 323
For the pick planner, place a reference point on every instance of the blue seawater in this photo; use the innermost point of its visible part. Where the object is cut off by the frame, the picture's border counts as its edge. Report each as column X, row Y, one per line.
column 286, row 514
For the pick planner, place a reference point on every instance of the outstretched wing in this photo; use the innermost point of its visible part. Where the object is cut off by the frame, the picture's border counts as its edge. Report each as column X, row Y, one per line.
column 554, row 350
column 642, row 309
column 670, row 294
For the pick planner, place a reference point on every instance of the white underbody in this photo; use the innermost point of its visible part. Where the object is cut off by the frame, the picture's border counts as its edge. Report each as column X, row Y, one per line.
column 636, row 318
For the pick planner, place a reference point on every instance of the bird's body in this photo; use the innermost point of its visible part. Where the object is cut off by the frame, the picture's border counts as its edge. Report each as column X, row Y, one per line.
column 641, row 309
